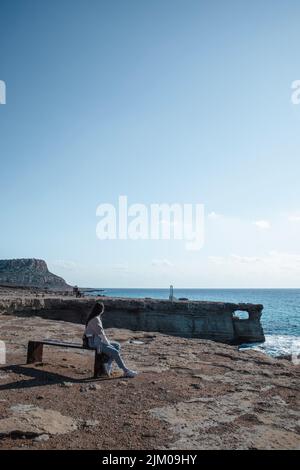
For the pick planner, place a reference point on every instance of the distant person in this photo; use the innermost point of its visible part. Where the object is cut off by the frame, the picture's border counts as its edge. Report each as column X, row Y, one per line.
column 77, row 292
column 96, row 338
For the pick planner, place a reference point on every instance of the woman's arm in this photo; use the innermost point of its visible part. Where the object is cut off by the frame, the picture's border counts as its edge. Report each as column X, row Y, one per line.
column 101, row 333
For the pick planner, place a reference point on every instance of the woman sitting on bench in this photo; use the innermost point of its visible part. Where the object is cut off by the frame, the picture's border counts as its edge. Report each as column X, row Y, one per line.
column 96, row 338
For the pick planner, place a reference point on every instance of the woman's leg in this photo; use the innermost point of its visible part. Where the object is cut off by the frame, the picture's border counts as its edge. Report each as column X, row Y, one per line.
column 96, row 343
column 114, row 355
column 110, row 361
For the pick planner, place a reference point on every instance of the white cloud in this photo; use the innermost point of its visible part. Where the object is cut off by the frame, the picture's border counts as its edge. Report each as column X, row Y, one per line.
column 63, row 264
column 161, row 263
column 217, row 259
column 270, row 262
column 285, row 261
column 294, row 218
column 262, row 224
column 213, row 215
column 245, row 259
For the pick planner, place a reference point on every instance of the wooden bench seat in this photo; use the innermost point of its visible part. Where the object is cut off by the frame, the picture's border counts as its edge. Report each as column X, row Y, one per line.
column 35, row 353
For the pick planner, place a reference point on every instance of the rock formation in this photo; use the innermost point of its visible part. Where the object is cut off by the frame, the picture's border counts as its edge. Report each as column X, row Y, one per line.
column 32, row 421
column 29, row 273
column 190, row 319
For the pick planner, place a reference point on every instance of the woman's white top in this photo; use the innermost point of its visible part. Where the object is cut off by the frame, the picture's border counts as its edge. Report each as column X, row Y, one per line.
column 95, row 328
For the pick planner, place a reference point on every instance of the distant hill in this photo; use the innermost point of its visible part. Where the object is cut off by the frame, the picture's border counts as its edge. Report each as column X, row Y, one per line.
column 30, row 273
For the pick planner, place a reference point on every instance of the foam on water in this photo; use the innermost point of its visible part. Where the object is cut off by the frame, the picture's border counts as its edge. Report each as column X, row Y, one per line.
column 277, row 345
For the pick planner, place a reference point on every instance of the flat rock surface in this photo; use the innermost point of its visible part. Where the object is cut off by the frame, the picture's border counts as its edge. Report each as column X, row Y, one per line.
column 33, row 421
column 190, row 394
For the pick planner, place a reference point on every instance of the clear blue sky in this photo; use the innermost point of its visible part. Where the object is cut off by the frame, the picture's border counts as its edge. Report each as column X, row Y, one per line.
column 163, row 101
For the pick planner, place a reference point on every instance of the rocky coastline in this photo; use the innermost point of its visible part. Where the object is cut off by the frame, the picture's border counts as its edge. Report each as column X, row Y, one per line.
column 192, row 319
column 190, row 393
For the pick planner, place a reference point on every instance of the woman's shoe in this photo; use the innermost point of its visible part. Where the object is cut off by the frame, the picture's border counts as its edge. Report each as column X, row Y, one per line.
column 130, row 373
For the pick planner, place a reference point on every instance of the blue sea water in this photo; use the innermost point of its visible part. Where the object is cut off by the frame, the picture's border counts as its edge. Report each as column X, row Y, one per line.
column 280, row 318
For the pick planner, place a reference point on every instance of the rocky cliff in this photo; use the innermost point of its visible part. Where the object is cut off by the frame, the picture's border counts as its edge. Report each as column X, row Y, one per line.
column 29, row 273
column 191, row 319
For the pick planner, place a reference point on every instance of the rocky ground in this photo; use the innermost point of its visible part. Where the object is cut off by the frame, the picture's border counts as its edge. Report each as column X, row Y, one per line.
column 190, row 394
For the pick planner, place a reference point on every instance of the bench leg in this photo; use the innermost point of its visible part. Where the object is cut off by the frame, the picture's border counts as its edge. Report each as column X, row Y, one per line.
column 99, row 369
column 34, row 352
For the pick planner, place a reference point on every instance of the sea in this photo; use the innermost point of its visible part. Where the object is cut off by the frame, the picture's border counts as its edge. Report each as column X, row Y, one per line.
column 280, row 318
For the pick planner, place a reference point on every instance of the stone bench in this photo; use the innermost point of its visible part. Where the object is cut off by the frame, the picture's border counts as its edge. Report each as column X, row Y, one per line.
column 35, row 353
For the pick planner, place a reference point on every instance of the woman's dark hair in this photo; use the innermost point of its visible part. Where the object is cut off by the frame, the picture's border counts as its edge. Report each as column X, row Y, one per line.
column 98, row 309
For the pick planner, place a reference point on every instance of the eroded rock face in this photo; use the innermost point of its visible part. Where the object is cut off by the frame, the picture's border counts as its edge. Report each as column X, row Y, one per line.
column 29, row 272
column 32, row 421
column 190, row 319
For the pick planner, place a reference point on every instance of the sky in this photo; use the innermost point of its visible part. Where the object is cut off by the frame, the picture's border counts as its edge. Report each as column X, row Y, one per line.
column 168, row 101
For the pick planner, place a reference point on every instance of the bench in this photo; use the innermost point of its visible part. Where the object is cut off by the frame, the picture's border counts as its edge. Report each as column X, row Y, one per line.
column 35, row 353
